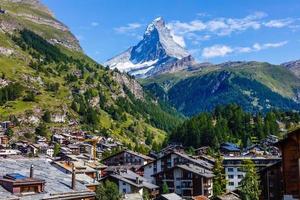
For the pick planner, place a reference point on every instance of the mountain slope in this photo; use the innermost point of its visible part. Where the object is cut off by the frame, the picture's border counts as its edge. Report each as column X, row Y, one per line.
column 294, row 66
column 157, row 53
column 44, row 71
column 257, row 87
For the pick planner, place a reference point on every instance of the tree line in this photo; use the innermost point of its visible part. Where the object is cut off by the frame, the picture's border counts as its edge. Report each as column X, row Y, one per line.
column 231, row 124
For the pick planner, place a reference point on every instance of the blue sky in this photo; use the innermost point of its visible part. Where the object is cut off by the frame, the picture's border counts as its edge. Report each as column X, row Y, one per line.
column 211, row 30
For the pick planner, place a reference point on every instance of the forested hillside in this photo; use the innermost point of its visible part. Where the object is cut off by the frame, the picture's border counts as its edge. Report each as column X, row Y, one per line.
column 48, row 84
column 232, row 124
column 256, row 87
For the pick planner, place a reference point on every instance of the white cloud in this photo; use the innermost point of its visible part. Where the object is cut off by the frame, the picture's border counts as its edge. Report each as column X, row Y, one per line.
column 94, row 24
column 218, row 26
column 195, row 30
column 259, row 47
column 279, row 23
column 128, row 28
column 223, row 50
column 216, row 51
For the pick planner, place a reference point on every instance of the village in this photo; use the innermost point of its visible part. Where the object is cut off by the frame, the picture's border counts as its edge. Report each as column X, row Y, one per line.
column 73, row 164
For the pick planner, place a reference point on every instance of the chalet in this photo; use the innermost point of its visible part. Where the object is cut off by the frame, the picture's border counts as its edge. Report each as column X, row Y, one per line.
column 42, row 181
column 234, row 168
column 230, row 149
column 169, row 161
column 290, row 150
column 18, row 184
column 22, row 146
column 33, row 149
column 74, row 148
column 4, row 140
column 4, row 153
column 58, row 138
column 171, row 148
column 202, row 151
column 187, row 180
column 271, row 182
column 127, row 157
column 130, row 182
column 6, row 124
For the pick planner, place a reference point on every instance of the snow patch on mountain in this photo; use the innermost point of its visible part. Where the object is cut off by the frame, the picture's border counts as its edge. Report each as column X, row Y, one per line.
column 158, row 52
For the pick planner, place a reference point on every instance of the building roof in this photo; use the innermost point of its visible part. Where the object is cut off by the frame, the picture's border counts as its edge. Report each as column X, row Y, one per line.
column 56, row 181
column 191, row 168
column 197, row 170
column 130, row 177
column 230, row 147
column 131, row 152
column 196, row 161
column 171, row 196
column 133, row 196
column 229, row 196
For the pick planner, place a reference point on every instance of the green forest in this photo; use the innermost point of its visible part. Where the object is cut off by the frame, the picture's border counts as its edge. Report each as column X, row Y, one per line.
column 231, row 124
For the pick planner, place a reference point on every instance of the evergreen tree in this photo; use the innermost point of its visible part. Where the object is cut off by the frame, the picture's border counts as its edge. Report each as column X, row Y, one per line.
column 47, row 116
column 108, row 191
column 250, row 184
column 56, row 149
column 165, row 188
column 42, row 130
column 9, row 133
column 219, row 181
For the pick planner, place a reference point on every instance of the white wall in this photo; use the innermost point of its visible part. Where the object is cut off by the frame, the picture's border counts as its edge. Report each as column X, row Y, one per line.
column 235, row 180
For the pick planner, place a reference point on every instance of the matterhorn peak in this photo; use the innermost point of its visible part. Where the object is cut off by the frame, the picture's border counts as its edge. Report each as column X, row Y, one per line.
column 156, row 53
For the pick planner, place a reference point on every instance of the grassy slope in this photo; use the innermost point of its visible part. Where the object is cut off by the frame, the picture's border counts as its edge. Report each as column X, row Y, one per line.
column 16, row 66
column 274, row 79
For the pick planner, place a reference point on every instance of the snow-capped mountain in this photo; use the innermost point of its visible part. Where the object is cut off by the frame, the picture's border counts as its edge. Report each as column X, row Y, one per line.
column 156, row 53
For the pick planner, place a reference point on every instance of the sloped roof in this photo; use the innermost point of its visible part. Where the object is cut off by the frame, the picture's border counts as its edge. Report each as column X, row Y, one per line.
column 57, row 182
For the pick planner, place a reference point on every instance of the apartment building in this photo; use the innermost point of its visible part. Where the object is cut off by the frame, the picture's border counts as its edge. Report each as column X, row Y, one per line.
column 234, row 168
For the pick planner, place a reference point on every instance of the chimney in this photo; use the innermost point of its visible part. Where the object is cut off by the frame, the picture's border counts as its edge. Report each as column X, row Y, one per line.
column 73, row 186
column 31, row 171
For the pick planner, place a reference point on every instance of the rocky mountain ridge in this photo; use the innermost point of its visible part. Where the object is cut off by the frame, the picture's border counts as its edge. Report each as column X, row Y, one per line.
column 156, row 53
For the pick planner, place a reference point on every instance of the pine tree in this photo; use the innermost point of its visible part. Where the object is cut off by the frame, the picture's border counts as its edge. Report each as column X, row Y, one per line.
column 108, row 191
column 9, row 133
column 47, row 116
column 56, row 149
column 165, row 188
column 219, row 181
column 250, row 184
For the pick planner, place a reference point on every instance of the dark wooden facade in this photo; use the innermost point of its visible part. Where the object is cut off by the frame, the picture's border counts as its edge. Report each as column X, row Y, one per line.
column 191, row 184
column 290, row 149
column 271, row 182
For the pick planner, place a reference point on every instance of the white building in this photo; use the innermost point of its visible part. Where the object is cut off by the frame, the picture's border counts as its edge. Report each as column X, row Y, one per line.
column 234, row 168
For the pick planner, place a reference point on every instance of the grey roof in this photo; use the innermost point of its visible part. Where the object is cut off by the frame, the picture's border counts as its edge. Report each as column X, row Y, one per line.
column 197, row 170
column 129, row 177
column 171, row 196
column 133, row 153
column 196, row 161
column 229, row 196
column 56, row 181
column 133, row 196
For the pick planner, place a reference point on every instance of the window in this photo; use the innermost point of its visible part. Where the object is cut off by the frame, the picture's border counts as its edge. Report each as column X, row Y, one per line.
column 231, row 183
column 240, row 176
column 230, row 176
column 239, row 169
column 124, row 183
column 230, row 169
